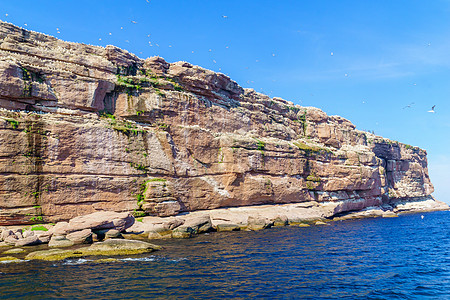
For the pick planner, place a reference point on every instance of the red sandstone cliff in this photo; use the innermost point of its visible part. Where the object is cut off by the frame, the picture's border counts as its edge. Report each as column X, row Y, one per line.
column 86, row 128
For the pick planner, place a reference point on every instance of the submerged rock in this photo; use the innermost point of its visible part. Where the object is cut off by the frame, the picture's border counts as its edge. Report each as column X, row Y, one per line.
column 53, row 254
column 14, row 251
column 9, row 259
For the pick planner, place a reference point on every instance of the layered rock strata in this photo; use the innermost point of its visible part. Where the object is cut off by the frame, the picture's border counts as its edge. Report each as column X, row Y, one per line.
column 86, row 128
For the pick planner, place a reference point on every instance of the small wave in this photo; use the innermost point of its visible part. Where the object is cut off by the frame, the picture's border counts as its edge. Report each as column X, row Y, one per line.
column 79, row 261
column 178, row 259
column 149, row 258
column 71, row 262
column 152, row 258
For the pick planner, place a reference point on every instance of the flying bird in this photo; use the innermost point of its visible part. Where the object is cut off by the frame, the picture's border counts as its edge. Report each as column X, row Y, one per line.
column 134, row 22
column 432, row 109
column 409, row 105
column 332, row 53
column 224, row 17
column 6, row 15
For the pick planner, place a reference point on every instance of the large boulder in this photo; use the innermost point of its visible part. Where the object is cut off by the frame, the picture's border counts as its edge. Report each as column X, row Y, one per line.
column 28, row 241
column 101, row 220
column 6, row 233
column 59, row 241
column 80, row 237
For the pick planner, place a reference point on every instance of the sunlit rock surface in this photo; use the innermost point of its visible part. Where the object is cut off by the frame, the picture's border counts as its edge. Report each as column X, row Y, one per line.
column 86, row 128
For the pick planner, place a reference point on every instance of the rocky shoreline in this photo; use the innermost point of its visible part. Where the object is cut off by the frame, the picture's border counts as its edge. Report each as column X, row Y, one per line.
column 117, row 234
column 112, row 147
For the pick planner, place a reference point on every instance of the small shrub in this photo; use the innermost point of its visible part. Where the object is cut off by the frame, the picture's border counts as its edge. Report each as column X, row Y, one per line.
column 260, row 145
column 157, row 179
column 138, row 213
column 14, row 124
column 39, row 227
column 37, row 219
column 313, row 178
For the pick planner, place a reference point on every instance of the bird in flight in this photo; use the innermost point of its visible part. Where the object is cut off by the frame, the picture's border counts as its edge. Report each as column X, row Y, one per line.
column 409, row 105
column 224, row 17
column 134, row 22
column 432, row 109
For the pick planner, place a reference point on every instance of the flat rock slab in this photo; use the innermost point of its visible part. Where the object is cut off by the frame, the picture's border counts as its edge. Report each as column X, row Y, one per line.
column 119, row 247
column 108, row 247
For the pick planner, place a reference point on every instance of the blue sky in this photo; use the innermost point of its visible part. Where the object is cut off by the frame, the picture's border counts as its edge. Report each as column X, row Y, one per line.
column 386, row 54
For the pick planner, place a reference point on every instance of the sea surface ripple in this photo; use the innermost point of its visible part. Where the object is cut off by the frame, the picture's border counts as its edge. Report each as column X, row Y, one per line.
column 393, row 258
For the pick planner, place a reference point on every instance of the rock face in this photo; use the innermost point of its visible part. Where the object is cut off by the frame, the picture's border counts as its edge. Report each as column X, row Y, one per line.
column 86, row 128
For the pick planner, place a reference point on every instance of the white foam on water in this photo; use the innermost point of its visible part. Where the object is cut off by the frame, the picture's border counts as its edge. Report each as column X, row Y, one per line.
column 79, row 261
column 71, row 262
column 151, row 258
column 13, row 261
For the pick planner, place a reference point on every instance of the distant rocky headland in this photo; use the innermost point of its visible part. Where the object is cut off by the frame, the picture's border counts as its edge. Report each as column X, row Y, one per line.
column 85, row 129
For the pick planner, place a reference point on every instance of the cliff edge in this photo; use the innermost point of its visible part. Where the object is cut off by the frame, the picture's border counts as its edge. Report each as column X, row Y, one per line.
column 86, row 128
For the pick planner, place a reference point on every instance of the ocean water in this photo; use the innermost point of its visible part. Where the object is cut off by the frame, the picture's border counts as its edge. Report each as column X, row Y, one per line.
column 394, row 258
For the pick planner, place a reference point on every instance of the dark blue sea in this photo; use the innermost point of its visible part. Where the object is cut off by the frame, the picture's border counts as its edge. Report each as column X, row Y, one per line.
column 393, row 258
